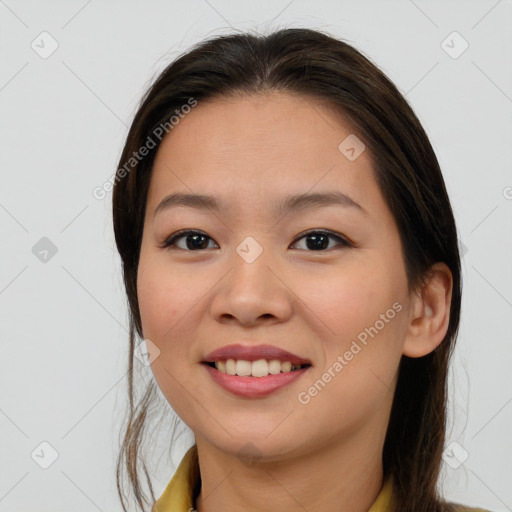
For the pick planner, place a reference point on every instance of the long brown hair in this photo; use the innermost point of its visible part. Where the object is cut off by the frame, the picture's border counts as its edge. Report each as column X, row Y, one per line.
column 313, row 63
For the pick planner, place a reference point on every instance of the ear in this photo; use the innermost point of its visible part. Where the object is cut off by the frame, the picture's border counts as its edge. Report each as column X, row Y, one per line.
column 429, row 313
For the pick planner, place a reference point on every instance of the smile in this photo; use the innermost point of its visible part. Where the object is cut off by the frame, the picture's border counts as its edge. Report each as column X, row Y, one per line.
column 258, row 368
column 252, row 386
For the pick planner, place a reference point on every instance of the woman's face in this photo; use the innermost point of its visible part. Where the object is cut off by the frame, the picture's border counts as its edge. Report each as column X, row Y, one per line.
column 254, row 277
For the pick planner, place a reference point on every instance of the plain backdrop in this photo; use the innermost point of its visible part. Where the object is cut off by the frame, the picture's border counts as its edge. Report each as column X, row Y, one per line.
column 64, row 117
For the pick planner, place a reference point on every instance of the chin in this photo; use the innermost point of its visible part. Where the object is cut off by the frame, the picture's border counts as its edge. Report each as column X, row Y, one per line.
column 258, row 447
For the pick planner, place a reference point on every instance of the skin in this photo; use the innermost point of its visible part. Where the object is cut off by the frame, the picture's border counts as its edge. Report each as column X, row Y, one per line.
column 251, row 152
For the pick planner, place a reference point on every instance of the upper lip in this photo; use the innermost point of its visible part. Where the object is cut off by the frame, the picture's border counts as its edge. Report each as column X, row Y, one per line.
column 253, row 353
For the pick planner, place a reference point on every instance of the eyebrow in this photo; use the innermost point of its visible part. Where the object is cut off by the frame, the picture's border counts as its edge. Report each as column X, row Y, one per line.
column 291, row 204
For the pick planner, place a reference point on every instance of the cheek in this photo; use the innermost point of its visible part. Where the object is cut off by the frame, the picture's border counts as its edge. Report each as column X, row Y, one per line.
column 163, row 309
column 161, row 299
column 361, row 348
column 170, row 303
column 348, row 301
column 364, row 310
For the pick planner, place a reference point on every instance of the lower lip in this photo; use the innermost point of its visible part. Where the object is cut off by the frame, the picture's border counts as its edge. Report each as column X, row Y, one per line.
column 254, row 387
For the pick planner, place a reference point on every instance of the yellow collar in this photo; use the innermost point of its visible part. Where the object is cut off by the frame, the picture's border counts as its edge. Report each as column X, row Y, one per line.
column 180, row 494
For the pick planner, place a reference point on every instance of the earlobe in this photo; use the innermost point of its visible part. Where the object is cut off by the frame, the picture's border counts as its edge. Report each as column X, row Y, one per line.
column 429, row 313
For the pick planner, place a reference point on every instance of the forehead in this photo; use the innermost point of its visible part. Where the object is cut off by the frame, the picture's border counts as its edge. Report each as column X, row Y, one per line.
column 262, row 145
column 276, row 122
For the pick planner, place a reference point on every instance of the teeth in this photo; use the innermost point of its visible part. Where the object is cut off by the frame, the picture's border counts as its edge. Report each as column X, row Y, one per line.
column 259, row 368
column 243, row 368
column 230, row 367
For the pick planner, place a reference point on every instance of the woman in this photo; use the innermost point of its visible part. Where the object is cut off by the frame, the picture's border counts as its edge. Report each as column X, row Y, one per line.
column 291, row 260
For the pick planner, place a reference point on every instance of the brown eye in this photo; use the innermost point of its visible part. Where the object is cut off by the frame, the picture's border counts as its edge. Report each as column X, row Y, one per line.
column 319, row 240
column 197, row 240
column 194, row 240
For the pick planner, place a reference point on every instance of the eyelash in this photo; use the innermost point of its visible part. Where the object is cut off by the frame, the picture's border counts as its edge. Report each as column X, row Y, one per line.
column 169, row 242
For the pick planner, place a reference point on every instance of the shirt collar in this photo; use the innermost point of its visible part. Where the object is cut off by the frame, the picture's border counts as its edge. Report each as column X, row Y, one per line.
column 181, row 492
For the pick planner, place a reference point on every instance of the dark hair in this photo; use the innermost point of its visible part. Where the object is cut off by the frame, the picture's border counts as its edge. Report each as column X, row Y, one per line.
column 309, row 62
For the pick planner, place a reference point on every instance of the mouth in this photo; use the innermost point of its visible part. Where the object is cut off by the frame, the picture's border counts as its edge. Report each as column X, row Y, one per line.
column 254, row 371
column 247, row 360
column 254, row 379
column 258, row 368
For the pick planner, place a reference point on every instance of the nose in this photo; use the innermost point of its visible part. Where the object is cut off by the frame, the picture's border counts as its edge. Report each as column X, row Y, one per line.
column 252, row 293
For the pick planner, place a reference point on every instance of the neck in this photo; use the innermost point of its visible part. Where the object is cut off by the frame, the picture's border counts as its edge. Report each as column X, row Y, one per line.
column 344, row 474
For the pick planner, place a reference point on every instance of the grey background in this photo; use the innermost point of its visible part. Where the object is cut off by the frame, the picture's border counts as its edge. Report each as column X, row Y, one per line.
column 64, row 118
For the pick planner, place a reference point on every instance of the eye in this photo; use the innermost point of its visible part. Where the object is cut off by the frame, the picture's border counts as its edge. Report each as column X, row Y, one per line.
column 194, row 240
column 197, row 240
column 318, row 240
